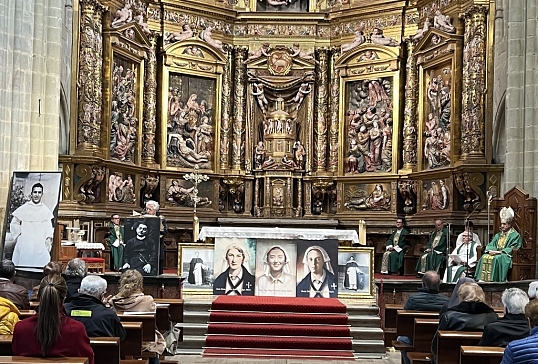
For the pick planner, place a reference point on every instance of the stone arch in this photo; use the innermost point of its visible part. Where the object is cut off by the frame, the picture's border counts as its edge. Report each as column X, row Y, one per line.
column 498, row 141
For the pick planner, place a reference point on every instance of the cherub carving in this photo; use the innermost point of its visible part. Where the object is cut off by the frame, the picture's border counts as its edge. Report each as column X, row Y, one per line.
column 443, row 22
column 139, row 19
column 421, row 32
column 123, row 16
column 207, row 37
column 262, row 51
column 304, row 90
column 296, row 51
column 357, row 41
column 278, row 2
column 378, row 38
column 180, row 36
column 258, row 91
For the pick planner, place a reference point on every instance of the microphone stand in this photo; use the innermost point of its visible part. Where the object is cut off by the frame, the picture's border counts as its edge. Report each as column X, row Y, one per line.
column 466, row 226
column 447, row 244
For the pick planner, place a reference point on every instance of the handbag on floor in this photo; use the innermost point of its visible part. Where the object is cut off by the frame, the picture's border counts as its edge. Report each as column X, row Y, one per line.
column 171, row 338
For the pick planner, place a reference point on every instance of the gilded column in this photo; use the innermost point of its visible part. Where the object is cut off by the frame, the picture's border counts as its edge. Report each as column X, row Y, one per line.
column 238, row 150
column 299, row 211
column 474, row 84
column 335, row 111
column 150, row 103
column 410, row 111
column 322, row 81
column 226, row 112
column 90, row 79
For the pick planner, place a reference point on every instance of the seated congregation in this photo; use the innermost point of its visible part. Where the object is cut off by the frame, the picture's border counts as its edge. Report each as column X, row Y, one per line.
column 73, row 313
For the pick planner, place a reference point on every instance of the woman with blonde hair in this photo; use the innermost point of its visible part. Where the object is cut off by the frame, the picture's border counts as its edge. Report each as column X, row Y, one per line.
column 50, row 333
column 130, row 298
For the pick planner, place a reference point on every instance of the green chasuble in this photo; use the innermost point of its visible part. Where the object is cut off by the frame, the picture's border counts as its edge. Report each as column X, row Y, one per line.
column 494, row 268
column 432, row 260
column 116, row 252
column 392, row 260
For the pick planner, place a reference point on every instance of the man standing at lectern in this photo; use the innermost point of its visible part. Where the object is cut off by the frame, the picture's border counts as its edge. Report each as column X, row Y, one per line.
column 494, row 264
column 152, row 208
column 320, row 282
column 393, row 257
column 435, row 250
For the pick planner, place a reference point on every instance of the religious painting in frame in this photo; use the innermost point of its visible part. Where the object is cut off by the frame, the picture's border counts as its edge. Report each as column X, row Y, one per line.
column 317, row 274
column 190, row 135
column 32, row 211
column 142, row 244
column 355, row 272
column 287, row 6
column 196, row 264
column 276, row 268
column 234, row 266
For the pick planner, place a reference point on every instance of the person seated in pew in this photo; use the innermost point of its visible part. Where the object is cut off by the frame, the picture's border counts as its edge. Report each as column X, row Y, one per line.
column 532, row 291
column 131, row 298
column 462, row 259
column 524, row 350
column 48, row 269
column 427, row 299
column 74, row 272
column 471, row 314
column 513, row 325
column 9, row 316
column 395, row 249
column 454, row 298
column 9, row 290
column 50, row 333
column 493, row 266
column 87, row 307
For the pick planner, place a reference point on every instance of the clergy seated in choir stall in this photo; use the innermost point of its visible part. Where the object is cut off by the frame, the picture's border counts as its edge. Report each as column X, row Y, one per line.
column 395, row 250
column 277, row 278
column 236, row 279
column 469, row 228
column 435, row 251
column 493, row 266
column 461, row 260
column 320, row 280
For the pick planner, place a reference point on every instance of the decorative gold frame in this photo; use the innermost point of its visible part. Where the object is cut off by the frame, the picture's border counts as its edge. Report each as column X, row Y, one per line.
column 180, row 272
column 369, row 280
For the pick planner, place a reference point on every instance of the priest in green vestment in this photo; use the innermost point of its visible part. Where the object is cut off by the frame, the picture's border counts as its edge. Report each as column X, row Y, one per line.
column 435, row 250
column 462, row 259
column 116, row 242
column 493, row 266
column 395, row 249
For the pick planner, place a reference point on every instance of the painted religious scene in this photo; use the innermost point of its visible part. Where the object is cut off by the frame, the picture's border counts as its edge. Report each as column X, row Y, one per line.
column 282, row 5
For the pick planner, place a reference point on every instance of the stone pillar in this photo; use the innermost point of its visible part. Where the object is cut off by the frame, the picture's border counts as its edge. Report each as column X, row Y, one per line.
column 238, row 149
column 226, row 113
column 90, row 77
column 149, row 125
column 474, row 85
column 335, row 115
column 320, row 124
column 410, row 131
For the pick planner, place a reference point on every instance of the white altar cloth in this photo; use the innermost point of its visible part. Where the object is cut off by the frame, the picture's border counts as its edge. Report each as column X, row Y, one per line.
column 279, row 233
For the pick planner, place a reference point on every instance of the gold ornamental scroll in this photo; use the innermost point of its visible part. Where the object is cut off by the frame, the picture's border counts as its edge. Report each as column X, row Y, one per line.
column 239, row 107
column 150, row 104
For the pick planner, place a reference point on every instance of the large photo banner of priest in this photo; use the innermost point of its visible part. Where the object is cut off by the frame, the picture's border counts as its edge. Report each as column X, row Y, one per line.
column 317, row 268
column 234, row 266
column 30, row 219
column 141, row 250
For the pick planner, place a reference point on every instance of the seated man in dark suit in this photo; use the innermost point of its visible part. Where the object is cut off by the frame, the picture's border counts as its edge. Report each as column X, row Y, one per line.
column 87, row 307
column 9, row 290
column 513, row 326
column 321, row 281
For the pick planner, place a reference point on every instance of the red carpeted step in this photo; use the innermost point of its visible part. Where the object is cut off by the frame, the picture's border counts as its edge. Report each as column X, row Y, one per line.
column 278, row 329
column 268, row 353
column 278, row 317
column 278, row 342
column 278, row 304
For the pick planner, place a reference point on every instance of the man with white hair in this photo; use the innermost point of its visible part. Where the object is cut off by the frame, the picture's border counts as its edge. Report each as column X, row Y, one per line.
column 152, row 208
column 497, row 260
column 320, row 282
column 87, row 307
column 513, row 325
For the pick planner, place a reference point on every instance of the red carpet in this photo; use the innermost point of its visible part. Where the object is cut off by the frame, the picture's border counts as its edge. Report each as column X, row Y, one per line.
column 278, row 327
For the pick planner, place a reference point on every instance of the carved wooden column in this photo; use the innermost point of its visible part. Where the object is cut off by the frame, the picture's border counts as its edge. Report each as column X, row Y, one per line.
column 335, row 111
column 226, row 112
column 410, row 111
column 320, row 125
column 150, row 103
column 299, row 210
column 239, row 107
column 474, row 85
column 90, row 78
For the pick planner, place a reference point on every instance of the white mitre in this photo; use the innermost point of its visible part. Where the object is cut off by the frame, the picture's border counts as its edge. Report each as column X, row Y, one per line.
column 506, row 214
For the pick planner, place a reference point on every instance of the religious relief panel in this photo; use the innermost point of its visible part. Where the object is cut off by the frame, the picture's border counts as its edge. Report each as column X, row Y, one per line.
column 435, row 195
column 369, row 113
column 190, row 121
column 367, row 197
column 124, row 121
column 181, row 193
column 282, row 5
column 121, row 188
column 437, row 124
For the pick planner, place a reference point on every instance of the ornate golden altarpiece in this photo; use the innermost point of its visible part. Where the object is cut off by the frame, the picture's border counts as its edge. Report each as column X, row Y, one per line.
column 331, row 109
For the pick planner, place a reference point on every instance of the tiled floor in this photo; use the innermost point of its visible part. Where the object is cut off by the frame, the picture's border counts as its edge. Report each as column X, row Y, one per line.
column 390, row 358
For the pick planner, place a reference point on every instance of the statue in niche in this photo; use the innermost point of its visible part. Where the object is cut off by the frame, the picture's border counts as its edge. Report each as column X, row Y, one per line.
column 148, row 184
column 377, row 200
column 123, row 123
column 443, row 22
column 179, row 36
column 90, row 189
column 317, row 201
column 259, row 155
column 259, row 92
column 182, row 196
column 263, row 51
column 288, row 163
column 357, row 41
column 422, row 32
column 299, row 153
column 278, row 196
column 377, row 37
column 304, row 90
column 122, row 16
column 438, row 196
column 120, row 190
column 238, row 199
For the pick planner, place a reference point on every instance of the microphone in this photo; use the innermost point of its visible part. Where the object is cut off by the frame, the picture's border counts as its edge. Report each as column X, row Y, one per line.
column 472, row 212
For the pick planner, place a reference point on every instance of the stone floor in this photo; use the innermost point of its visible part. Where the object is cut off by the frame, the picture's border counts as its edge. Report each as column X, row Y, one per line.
column 390, row 358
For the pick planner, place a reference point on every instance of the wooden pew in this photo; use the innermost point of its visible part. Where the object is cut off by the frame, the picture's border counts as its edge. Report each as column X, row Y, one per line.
column 175, row 308
column 106, row 349
column 481, row 355
column 405, row 320
column 389, row 327
column 132, row 345
column 5, row 345
column 28, row 360
column 25, row 314
column 450, row 342
column 148, row 323
column 162, row 317
column 424, row 332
